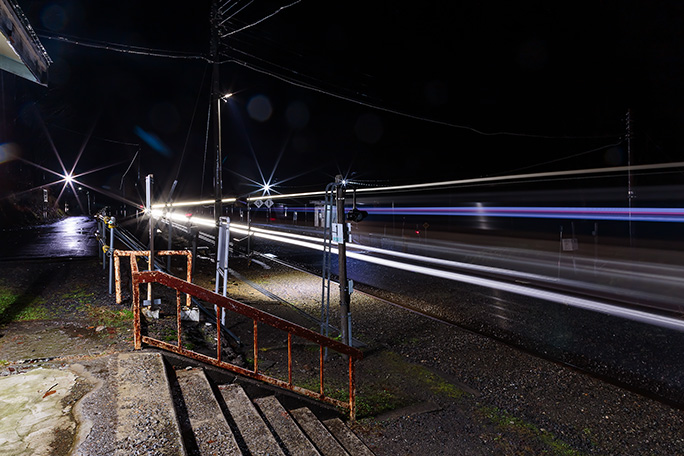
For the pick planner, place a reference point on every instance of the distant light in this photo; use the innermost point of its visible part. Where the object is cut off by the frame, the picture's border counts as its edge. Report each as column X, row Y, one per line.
column 267, row 188
column 68, row 178
column 226, row 96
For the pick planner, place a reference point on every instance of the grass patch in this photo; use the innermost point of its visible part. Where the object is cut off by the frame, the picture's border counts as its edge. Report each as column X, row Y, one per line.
column 16, row 307
column 111, row 318
column 7, row 298
column 420, row 376
column 34, row 311
column 510, row 423
column 372, row 398
column 79, row 296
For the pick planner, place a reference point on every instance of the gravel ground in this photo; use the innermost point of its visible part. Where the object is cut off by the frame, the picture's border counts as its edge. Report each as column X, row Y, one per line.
column 455, row 392
column 425, row 387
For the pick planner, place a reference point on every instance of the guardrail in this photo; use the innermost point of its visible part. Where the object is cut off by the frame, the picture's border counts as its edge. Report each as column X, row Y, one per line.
column 258, row 317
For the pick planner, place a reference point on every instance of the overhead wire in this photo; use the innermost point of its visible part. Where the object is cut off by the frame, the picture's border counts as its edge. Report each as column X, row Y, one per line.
column 127, row 49
column 192, row 120
column 235, row 13
column 282, row 8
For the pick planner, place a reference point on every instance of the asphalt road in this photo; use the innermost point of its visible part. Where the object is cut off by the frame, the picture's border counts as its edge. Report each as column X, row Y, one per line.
column 72, row 237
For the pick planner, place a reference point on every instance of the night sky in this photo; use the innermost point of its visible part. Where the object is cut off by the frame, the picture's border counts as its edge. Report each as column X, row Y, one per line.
column 392, row 91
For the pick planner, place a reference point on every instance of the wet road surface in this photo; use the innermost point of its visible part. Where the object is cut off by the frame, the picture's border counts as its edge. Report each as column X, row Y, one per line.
column 72, row 237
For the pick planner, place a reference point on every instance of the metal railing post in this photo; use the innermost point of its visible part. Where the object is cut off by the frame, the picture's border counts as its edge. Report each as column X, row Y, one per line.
column 112, row 224
column 104, row 243
column 222, row 254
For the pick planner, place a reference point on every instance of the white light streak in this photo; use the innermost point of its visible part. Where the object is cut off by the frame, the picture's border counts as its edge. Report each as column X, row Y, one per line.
column 452, row 183
column 583, row 303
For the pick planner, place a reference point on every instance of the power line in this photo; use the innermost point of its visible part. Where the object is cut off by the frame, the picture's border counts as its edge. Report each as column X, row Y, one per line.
column 262, row 19
column 127, row 49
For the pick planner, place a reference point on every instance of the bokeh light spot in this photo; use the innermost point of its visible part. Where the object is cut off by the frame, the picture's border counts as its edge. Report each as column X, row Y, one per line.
column 54, row 17
column 260, row 108
column 8, row 152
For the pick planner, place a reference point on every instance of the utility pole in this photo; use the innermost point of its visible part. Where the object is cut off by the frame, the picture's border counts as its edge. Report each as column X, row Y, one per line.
column 216, row 112
column 343, row 233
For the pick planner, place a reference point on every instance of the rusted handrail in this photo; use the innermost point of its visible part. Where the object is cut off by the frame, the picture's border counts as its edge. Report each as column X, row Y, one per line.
column 258, row 316
column 133, row 254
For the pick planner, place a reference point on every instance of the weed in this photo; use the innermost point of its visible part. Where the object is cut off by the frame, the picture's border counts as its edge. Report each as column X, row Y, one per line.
column 506, row 421
column 111, row 318
column 79, row 296
column 32, row 309
column 423, row 376
column 168, row 335
column 7, row 298
column 372, row 400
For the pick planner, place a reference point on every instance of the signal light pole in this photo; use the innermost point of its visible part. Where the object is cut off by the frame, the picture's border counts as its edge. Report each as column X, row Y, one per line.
column 345, row 314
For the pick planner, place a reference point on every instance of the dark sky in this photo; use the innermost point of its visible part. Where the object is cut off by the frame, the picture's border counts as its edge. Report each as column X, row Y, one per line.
column 393, row 91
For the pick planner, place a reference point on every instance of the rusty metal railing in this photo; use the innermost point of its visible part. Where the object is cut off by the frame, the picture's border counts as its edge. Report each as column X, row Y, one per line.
column 133, row 254
column 257, row 316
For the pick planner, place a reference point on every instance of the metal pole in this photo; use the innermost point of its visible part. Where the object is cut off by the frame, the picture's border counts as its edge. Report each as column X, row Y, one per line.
column 149, row 180
column 112, row 224
column 249, row 233
column 345, row 317
column 216, row 115
column 103, row 230
column 222, row 253
column 169, row 245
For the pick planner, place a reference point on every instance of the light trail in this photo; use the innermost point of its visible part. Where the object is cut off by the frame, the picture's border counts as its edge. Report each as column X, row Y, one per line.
column 315, row 243
column 452, row 183
column 584, row 303
column 636, row 214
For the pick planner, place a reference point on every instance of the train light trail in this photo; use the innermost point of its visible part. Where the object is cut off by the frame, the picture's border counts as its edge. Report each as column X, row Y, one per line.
column 455, row 183
column 412, row 264
column 635, row 214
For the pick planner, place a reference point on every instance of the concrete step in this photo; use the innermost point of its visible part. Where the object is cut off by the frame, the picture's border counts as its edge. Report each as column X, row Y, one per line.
column 204, row 425
column 325, row 442
column 172, row 413
column 284, row 426
column 349, row 440
column 254, row 432
column 146, row 418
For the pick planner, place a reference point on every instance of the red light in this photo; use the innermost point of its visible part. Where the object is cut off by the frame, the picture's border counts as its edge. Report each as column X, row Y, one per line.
column 417, row 232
